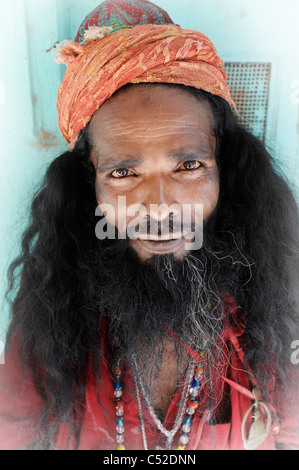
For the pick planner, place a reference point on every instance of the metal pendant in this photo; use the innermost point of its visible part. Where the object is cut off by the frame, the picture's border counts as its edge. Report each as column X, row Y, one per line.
column 258, row 431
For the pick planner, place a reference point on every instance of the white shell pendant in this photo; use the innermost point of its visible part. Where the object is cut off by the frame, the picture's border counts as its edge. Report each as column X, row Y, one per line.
column 258, row 432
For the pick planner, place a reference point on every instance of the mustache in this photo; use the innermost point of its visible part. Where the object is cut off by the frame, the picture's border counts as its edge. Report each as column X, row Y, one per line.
column 168, row 226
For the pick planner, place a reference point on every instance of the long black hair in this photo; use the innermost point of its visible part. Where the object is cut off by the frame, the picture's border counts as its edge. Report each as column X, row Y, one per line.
column 54, row 325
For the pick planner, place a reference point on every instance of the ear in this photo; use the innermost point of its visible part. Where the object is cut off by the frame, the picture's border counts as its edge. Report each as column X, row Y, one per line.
column 94, row 158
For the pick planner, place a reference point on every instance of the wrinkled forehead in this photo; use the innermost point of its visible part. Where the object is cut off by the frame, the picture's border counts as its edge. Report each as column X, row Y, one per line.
column 151, row 110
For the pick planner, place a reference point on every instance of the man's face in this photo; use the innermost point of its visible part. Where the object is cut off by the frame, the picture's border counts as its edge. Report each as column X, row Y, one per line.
column 155, row 146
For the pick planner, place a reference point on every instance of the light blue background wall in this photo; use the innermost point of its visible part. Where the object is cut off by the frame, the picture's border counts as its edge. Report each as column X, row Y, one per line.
column 242, row 30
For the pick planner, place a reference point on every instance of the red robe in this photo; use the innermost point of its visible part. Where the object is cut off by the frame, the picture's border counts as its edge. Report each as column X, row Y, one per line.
column 20, row 407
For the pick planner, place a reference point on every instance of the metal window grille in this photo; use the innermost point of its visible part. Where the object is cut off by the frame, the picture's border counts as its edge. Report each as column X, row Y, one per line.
column 249, row 85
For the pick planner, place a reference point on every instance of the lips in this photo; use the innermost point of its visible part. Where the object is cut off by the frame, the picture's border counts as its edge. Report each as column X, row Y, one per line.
column 161, row 238
column 160, row 245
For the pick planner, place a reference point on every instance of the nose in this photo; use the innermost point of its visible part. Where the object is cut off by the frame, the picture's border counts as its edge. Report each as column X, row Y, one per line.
column 160, row 198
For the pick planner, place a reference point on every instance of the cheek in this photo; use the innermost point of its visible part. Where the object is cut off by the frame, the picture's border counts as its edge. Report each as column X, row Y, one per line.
column 205, row 193
column 105, row 194
column 113, row 205
column 107, row 202
column 210, row 197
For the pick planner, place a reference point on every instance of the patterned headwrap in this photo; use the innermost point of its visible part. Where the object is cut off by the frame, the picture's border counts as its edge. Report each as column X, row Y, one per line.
column 130, row 41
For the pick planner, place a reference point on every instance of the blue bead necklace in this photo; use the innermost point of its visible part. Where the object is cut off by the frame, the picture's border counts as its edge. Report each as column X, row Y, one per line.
column 187, row 407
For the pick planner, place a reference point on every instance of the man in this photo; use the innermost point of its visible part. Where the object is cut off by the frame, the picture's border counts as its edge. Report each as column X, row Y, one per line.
column 172, row 329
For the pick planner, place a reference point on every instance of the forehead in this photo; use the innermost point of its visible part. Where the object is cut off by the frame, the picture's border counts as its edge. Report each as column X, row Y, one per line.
column 143, row 115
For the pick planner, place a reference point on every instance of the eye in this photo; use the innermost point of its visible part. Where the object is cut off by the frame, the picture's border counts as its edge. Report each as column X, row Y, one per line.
column 189, row 165
column 121, row 173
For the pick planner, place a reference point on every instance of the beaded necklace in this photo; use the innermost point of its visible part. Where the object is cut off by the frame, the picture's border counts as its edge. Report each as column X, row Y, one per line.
column 184, row 418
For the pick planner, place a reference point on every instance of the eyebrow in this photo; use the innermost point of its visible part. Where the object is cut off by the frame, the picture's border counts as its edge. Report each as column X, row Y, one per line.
column 116, row 163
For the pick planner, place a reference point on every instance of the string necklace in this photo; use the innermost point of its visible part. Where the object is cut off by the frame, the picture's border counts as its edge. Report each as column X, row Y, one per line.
column 188, row 405
column 181, row 411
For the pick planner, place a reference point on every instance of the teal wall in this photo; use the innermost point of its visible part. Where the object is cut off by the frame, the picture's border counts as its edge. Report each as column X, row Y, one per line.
column 242, row 30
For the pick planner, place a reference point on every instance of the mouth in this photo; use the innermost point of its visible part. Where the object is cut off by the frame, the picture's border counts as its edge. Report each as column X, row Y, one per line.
column 171, row 236
column 161, row 245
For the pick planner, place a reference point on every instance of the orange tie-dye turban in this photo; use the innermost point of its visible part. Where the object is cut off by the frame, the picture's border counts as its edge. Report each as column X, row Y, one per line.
column 108, row 58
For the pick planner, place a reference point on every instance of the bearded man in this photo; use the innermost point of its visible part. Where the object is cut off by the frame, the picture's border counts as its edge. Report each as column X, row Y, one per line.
column 153, row 339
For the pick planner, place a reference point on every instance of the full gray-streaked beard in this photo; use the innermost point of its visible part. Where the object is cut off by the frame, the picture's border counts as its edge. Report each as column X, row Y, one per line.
column 145, row 301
